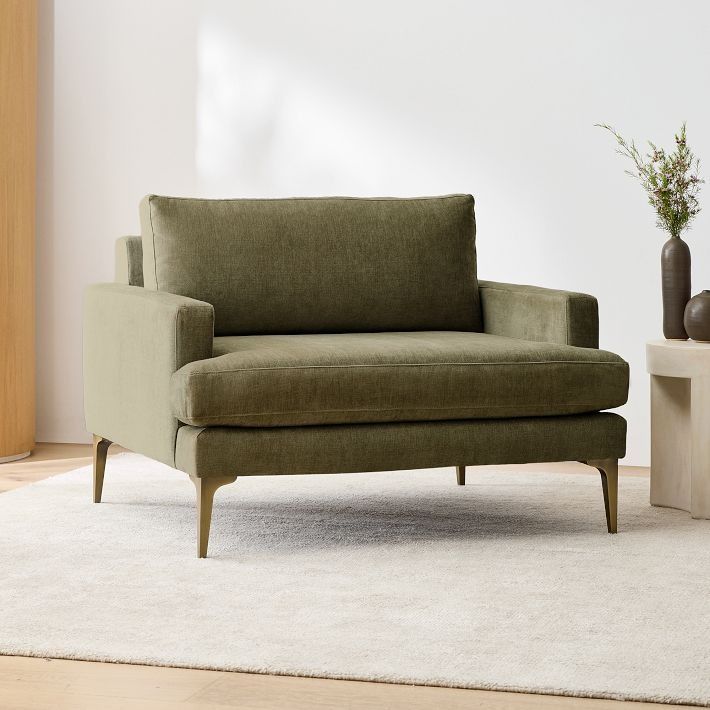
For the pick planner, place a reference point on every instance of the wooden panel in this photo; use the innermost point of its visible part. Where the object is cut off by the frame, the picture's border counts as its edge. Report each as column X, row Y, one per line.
column 18, row 89
column 47, row 460
column 39, row 684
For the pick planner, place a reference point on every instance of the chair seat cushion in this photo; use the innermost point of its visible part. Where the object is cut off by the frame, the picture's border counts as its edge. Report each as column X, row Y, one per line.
column 294, row 380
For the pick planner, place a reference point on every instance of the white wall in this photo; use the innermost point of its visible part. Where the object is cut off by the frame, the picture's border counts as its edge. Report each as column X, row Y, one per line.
column 273, row 98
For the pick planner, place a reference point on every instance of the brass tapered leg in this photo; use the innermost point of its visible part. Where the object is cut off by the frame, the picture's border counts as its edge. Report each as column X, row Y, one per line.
column 100, row 452
column 609, row 470
column 461, row 475
column 205, row 489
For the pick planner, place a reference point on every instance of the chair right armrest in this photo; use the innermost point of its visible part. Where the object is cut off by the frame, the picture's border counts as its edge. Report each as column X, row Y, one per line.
column 541, row 314
column 134, row 339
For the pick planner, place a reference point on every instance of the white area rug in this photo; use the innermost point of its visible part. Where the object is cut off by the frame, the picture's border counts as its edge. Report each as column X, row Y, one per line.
column 510, row 582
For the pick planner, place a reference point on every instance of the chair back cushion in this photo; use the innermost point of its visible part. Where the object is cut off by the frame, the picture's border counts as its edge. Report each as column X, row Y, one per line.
column 317, row 265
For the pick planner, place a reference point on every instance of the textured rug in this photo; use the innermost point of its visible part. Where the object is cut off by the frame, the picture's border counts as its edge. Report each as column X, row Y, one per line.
column 510, row 582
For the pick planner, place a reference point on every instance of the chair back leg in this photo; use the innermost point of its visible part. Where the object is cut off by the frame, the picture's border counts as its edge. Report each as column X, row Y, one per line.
column 100, row 453
column 461, row 475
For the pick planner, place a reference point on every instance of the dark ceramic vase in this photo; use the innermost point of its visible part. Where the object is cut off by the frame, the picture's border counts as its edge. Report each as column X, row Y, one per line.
column 675, row 279
column 697, row 317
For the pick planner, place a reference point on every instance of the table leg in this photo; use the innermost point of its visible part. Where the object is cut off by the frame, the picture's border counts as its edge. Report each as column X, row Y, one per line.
column 700, row 456
column 670, row 442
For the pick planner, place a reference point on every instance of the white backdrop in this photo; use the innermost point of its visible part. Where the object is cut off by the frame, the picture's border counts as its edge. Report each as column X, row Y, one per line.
column 381, row 97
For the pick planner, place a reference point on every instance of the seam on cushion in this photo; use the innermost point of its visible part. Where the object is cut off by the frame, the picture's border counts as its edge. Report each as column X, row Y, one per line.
column 197, row 437
column 539, row 291
column 179, row 312
column 553, row 292
column 581, row 297
column 197, row 441
column 176, row 359
column 144, row 293
column 567, row 322
column 383, row 409
column 408, row 364
column 152, row 234
column 175, row 362
column 319, row 199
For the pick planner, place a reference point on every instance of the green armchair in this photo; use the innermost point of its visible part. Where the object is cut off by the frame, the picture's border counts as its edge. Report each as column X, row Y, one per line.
column 334, row 335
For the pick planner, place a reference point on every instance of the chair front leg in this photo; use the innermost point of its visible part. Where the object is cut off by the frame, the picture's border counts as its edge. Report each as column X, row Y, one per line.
column 461, row 475
column 609, row 470
column 100, row 453
column 205, row 489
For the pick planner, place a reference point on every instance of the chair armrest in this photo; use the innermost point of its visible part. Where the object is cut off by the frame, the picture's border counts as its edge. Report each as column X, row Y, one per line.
column 134, row 339
column 129, row 261
column 542, row 314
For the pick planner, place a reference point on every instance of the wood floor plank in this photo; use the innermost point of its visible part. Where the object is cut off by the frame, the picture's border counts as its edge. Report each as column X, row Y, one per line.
column 128, row 682
column 35, row 684
column 14, row 698
column 46, row 460
column 263, row 692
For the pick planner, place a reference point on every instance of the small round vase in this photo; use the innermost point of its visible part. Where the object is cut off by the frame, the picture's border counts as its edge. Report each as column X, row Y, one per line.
column 675, row 281
column 697, row 317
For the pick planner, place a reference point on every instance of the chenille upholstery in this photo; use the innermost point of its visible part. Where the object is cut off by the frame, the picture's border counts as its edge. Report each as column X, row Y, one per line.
column 332, row 335
column 346, row 378
column 209, row 451
column 317, row 265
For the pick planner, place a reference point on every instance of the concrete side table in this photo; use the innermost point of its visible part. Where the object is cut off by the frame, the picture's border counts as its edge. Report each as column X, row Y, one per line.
column 680, row 425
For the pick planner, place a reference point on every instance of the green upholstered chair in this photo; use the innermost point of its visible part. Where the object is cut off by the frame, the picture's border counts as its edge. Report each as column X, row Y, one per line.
column 333, row 335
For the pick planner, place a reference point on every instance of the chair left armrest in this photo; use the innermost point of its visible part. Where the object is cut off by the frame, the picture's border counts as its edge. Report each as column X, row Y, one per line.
column 540, row 314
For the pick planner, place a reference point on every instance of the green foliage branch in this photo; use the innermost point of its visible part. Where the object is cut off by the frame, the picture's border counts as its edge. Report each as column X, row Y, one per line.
column 671, row 180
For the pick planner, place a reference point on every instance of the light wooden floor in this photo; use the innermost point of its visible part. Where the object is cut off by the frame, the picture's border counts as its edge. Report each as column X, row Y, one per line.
column 38, row 683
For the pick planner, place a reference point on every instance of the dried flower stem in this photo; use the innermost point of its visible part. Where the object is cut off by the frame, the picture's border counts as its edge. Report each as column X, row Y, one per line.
column 671, row 180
